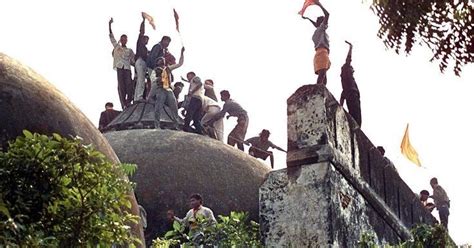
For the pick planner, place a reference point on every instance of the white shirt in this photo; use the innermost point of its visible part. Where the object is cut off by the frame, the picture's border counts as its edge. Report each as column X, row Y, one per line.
column 208, row 102
column 195, row 83
column 123, row 56
column 202, row 212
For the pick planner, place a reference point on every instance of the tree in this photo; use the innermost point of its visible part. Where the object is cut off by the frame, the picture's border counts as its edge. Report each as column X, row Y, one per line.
column 57, row 192
column 446, row 27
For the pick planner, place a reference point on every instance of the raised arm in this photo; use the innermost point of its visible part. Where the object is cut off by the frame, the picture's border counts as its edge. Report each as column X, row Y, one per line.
column 349, row 53
column 313, row 22
column 111, row 34
column 142, row 28
column 326, row 13
column 110, row 25
column 180, row 62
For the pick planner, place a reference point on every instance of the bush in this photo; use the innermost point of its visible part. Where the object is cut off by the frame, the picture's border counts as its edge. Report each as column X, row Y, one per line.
column 423, row 236
column 57, row 192
column 230, row 231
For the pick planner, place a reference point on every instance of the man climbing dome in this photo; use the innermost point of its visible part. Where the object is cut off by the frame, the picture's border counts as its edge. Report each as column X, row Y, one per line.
column 260, row 145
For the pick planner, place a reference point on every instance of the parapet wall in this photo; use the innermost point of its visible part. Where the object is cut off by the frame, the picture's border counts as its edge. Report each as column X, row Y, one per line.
column 337, row 185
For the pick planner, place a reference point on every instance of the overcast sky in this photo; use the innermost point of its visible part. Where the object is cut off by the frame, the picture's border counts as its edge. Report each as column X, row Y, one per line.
column 261, row 51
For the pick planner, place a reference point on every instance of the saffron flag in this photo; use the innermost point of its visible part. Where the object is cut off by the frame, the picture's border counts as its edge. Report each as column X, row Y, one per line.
column 306, row 4
column 408, row 150
column 149, row 19
column 176, row 19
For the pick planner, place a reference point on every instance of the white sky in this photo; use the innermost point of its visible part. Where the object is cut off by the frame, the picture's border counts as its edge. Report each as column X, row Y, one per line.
column 261, row 51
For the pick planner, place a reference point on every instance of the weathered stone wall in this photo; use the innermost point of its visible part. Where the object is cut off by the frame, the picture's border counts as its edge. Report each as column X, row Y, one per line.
column 319, row 208
column 337, row 185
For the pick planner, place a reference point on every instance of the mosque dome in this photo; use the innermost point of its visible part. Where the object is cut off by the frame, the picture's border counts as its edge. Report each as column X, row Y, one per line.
column 172, row 165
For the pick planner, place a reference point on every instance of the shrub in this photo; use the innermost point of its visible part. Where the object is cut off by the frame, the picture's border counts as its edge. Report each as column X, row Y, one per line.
column 57, row 192
column 230, row 231
column 423, row 236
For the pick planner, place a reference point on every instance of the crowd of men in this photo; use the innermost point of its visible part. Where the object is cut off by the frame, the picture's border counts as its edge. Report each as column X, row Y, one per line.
column 154, row 84
column 202, row 113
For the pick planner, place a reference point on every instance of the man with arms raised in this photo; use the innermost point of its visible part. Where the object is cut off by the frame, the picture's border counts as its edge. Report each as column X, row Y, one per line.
column 123, row 59
column 321, row 44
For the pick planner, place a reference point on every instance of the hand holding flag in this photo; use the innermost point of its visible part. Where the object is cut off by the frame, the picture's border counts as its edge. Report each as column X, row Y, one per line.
column 306, row 4
column 149, row 18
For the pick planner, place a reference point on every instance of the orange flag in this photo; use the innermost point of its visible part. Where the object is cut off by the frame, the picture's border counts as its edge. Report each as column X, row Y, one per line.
column 306, row 4
column 176, row 19
column 149, row 19
column 408, row 150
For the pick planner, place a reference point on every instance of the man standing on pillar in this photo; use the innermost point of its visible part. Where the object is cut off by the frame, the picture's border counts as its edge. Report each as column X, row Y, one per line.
column 123, row 59
column 350, row 91
column 140, row 64
column 321, row 60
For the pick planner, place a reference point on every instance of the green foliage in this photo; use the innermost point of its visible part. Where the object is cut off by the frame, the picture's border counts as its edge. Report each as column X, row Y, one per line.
column 367, row 240
column 446, row 27
column 230, row 231
column 58, row 192
column 423, row 236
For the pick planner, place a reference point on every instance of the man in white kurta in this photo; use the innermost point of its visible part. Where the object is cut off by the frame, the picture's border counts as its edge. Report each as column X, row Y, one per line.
column 210, row 109
column 197, row 212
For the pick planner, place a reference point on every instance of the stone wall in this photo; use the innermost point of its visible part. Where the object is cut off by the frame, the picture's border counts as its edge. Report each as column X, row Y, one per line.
column 337, row 185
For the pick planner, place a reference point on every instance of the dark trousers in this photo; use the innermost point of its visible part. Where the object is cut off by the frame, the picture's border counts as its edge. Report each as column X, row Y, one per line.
column 125, row 87
column 193, row 112
column 353, row 104
column 443, row 215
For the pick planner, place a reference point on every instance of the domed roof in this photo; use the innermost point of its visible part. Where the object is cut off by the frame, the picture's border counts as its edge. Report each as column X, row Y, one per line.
column 174, row 164
column 28, row 101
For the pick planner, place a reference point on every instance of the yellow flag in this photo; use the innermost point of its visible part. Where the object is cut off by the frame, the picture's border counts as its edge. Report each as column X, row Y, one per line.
column 408, row 150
